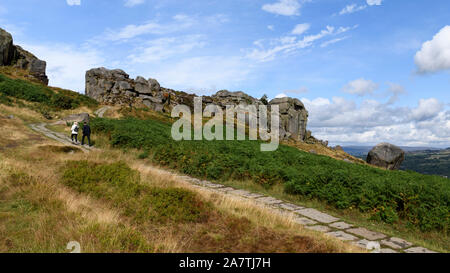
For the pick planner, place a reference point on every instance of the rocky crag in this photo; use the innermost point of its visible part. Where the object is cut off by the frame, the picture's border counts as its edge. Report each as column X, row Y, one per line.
column 14, row 55
column 115, row 87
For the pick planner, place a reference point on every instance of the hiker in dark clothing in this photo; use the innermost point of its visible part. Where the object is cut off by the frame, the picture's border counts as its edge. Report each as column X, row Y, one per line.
column 86, row 133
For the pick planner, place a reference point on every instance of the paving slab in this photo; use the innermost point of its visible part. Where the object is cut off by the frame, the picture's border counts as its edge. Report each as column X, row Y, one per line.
column 253, row 195
column 269, row 200
column 290, row 207
column 214, row 186
column 341, row 225
column 317, row 215
column 226, row 189
column 418, row 250
column 367, row 234
column 239, row 192
column 342, row 235
column 304, row 221
column 319, row 228
column 396, row 243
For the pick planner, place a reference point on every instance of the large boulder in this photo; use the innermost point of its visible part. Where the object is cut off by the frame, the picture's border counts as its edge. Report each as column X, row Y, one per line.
column 116, row 87
column 6, row 48
column 386, row 156
column 14, row 55
column 81, row 118
column 293, row 118
column 109, row 86
column 225, row 97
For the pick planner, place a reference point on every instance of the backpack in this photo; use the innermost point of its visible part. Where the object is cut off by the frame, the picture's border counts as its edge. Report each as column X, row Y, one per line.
column 76, row 129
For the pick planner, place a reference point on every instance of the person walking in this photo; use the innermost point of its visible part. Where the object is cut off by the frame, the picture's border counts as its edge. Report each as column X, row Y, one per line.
column 86, row 133
column 74, row 130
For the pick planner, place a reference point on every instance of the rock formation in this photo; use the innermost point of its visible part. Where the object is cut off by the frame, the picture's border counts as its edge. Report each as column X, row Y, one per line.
column 293, row 118
column 13, row 55
column 387, row 156
column 83, row 117
column 116, row 87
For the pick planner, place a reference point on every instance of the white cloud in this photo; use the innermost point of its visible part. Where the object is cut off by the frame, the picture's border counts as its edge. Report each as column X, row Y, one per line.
column 280, row 96
column 165, row 48
column 333, row 41
column 289, row 44
column 360, row 87
column 73, row 2
column 270, row 27
column 435, row 54
column 351, row 9
column 395, row 90
column 300, row 29
column 285, row 7
column 374, row 2
column 67, row 64
column 427, row 109
column 132, row 3
column 180, row 22
column 344, row 122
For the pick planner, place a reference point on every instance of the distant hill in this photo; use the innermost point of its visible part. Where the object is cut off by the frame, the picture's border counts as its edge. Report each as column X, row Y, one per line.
column 428, row 162
column 362, row 151
column 424, row 160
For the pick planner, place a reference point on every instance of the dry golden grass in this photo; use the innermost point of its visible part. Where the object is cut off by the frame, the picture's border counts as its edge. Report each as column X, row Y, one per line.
column 261, row 216
column 322, row 150
column 235, row 225
column 25, row 114
column 16, row 73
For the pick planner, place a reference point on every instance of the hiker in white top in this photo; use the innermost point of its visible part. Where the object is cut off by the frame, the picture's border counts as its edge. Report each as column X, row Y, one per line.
column 75, row 129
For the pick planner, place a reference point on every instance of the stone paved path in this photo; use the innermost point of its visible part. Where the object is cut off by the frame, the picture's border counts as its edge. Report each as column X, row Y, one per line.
column 311, row 218
column 100, row 112
column 316, row 220
column 64, row 138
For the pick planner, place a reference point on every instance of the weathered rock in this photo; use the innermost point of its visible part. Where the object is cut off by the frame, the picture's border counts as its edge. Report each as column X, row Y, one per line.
column 115, row 87
column 293, row 118
column 154, row 85
column 338, row 148
column 83, row 117
column 14, row 55
column 6, row 48
column 387, row 156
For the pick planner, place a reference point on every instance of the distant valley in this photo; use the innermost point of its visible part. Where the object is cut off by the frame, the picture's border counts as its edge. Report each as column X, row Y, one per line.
column 424, row 160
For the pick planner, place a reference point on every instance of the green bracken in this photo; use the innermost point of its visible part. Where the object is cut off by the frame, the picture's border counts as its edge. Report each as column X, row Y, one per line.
column 45, row 98
column 390, row 196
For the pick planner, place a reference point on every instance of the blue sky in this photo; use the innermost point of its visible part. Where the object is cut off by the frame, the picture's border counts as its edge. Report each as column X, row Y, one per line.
column 368, row 71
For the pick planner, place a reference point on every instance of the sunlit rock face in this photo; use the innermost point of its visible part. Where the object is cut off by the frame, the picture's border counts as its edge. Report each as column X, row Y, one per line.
column 387, row 156
column 14, row 55
column 116, row 87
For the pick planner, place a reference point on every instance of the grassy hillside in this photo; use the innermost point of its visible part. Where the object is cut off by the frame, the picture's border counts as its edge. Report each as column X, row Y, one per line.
column 417, row 200
column 428, row 162
column 45, row 100
column 52, row 194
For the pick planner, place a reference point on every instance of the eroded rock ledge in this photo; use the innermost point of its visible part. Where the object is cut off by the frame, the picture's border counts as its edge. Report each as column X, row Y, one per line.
column 115, row 87
column 14, row 55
